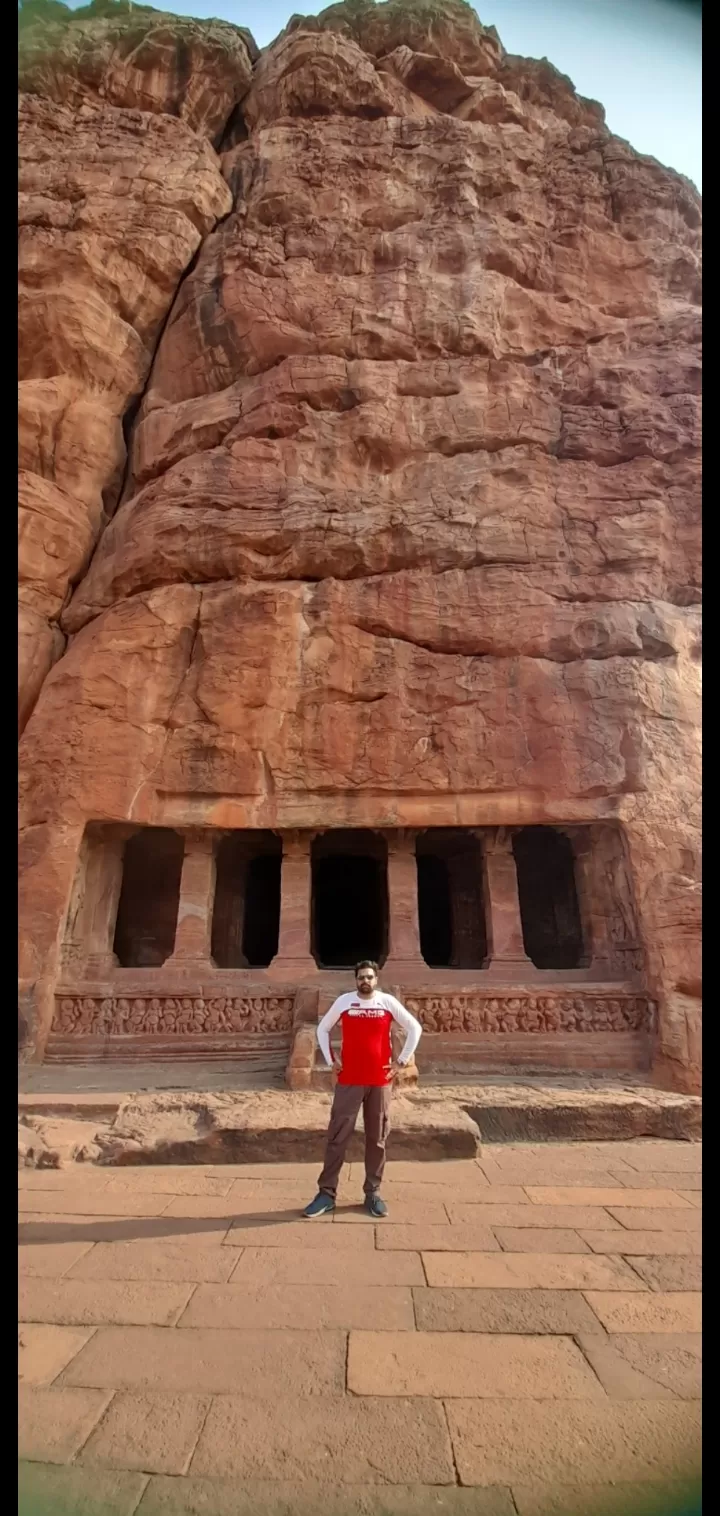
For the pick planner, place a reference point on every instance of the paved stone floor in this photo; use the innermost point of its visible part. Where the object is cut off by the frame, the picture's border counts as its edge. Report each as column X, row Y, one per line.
column 519, row 1337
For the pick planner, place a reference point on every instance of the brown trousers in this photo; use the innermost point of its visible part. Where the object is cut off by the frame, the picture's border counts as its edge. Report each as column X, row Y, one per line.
column 375, row 1102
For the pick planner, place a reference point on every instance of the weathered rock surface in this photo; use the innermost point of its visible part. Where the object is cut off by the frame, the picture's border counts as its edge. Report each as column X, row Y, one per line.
column 268, row 1127
column 410, row 527
column 147, row 61
column 115, row 199
column 240, row 1127
column 49, row 1143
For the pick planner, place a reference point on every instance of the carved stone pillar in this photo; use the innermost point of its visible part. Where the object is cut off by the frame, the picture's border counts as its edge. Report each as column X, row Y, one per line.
column 197, row 894
column 293, row 956
column 403, row 923
column 506, row 951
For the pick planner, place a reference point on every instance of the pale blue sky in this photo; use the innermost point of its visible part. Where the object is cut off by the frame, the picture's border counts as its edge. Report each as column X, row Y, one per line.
column 641, row 58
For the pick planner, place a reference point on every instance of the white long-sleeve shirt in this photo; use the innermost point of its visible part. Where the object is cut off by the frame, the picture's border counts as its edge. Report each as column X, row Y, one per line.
column 366, row 1043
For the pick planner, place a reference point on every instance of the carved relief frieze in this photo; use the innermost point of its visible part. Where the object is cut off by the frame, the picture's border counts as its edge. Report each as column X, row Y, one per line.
column 532, row 1013
column 170, row 1015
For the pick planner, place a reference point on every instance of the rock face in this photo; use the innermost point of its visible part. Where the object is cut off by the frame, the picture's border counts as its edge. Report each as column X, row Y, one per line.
column 118, row 187
column 409, row 532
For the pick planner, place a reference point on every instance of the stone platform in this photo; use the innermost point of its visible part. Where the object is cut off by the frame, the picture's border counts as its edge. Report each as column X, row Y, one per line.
column 229, row 1125
column 520, row 1337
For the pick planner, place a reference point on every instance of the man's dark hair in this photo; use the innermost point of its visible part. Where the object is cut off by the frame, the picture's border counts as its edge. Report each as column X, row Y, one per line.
column 366, row 963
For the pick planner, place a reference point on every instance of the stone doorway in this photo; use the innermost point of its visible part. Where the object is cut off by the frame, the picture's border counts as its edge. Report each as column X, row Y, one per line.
column 349, row 899
column 549, row 908
column 246, row 912
column 148, row 906
column 451, row 909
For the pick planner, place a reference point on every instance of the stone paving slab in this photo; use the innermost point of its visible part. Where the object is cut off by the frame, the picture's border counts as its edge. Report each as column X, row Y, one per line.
column 346, row 1440
column 538, row 1215
column 663, row 1199
column 672, row 1311
column 54, row 1423
column 558, row 1442
column 156, row 1434
column 44, row 1351
column 165, row 1181
column 549, row 1169
column 474, row 1364
column 303, row 1235
column 164, row 1259
column 632, row 1242
column 548, row 1271
column 49, row 1490
column 93, row 1202
column 670, row 1272
column 617, row 1375
column 50, row 1260
column 328, row 1265
column 237, row 1307
column 436, row 1239
column 96, row 1302
column 528, row 1311
column 656, row 1499
column 217, row 1497
column 256, row 1200
column 516, row 1239
column 662, row 1180
column 647, row 1219
column 494, row 1194
column 550, row 1166
column 207, row 1361
column 77, row 1176
column 671, row 1362
column 453, row 1174
column 674, row 1157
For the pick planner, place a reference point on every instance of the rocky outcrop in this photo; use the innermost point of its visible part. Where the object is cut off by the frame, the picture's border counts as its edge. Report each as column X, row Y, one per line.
column 409, row 532
column 119, row 184
column 274, row 1127
column 144, row 61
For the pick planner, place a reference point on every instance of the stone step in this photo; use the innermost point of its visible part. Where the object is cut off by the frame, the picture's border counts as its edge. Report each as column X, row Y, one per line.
column 252, row 1051
column 200, row 1126
column 598, row 1114
column 248, row 1127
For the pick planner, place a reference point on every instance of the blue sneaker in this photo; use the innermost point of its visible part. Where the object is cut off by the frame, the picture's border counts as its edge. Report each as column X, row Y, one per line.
column 375, row 1206
column 322, row 1205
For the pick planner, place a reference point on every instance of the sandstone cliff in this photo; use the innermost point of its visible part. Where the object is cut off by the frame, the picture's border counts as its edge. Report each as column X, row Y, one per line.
column 406, row 345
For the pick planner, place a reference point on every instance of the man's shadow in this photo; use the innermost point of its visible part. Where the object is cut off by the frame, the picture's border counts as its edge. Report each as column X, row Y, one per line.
column 139, row 1228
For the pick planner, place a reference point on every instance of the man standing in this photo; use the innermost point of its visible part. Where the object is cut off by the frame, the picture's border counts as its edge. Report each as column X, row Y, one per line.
column 365, row 1077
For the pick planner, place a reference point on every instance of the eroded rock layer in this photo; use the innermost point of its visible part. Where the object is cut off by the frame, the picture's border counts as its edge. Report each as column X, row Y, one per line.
column 409, row 530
